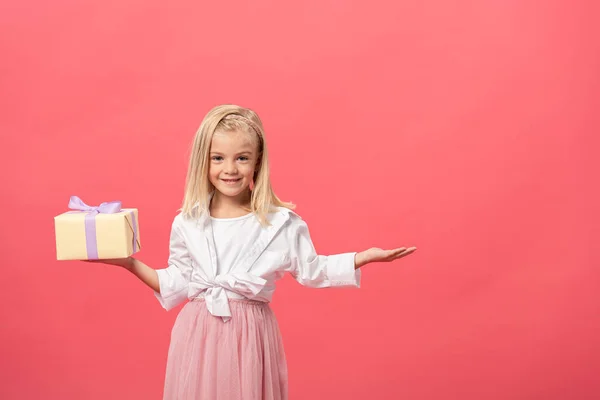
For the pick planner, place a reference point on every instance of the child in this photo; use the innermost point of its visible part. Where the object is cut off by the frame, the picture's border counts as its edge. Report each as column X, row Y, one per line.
column 233, row 239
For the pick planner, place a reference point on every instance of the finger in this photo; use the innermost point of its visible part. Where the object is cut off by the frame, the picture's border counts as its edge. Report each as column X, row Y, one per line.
column 406, row 253
column 394, row 251
column 398, row 251
column 407, row 249
column 388, row 255
column 392, row 254
column 404, row 249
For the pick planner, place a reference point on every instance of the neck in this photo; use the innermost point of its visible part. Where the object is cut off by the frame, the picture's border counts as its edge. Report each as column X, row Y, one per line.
column 227, row 203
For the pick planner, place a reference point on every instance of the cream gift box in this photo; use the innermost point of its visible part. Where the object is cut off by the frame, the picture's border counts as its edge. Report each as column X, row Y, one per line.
column 96, row 232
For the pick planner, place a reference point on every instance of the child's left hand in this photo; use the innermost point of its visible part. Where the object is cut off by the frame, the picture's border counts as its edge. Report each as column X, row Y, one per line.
column 376, row 254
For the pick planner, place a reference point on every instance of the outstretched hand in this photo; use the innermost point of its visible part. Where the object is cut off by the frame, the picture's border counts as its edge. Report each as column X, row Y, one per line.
column 375, row 254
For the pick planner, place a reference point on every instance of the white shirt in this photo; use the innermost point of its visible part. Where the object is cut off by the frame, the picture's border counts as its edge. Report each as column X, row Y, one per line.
column 197, row 266
column 230, row 239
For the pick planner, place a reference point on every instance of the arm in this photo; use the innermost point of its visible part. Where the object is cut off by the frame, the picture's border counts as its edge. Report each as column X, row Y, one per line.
column 145, row 273
column 318, row 271
column 314, row 270
column 173, row 281
column 169, row 284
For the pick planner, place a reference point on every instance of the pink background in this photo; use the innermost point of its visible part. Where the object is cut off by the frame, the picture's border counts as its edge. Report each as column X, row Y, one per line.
column 468, row 129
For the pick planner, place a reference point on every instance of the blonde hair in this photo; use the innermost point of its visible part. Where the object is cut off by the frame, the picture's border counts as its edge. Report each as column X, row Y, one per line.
column 198, row 188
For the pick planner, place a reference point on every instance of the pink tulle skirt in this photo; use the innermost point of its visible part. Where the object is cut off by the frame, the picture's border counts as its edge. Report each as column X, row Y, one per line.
column 242, row 359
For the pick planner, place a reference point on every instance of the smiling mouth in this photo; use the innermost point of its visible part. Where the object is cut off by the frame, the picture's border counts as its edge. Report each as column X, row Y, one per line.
column 231, row 181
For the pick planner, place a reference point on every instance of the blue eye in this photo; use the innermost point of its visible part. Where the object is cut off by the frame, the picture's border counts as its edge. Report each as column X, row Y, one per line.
column 243, row 158
column 216, row 158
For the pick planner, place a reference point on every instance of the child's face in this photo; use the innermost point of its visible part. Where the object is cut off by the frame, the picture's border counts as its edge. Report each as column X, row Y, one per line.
column 233, row 159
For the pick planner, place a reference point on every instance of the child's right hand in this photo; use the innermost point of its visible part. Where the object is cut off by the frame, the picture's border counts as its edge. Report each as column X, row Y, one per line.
column 120, row 262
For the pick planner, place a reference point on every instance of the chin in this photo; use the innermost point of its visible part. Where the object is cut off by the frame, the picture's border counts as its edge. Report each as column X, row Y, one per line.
column 232, row 192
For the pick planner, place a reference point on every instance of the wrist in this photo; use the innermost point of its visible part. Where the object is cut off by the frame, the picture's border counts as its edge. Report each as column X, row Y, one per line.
column 359, row 260
column 129, row 263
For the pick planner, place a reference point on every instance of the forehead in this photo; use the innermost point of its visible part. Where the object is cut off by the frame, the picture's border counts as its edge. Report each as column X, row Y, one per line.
column 232, row 141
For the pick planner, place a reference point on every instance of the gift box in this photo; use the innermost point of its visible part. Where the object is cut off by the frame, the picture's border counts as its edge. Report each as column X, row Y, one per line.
column 96, row 232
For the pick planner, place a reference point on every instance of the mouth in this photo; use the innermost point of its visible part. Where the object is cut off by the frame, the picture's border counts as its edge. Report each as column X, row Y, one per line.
column 231, row 181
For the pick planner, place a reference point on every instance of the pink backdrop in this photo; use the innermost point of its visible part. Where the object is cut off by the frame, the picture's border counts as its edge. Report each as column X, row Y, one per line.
column 468, row 129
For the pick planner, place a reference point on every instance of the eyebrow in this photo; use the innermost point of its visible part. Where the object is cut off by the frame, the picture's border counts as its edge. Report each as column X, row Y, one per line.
column 237, row 154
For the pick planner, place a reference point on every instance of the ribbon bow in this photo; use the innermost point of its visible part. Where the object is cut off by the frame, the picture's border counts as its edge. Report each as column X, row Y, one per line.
column 111, row 207
column 217, row 302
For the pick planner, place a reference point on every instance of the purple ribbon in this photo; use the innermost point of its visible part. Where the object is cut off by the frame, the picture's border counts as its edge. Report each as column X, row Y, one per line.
column 111, row 207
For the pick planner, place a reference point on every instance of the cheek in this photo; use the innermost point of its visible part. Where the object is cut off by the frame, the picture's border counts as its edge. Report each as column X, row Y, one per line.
column 248, row 171
column 213, row 172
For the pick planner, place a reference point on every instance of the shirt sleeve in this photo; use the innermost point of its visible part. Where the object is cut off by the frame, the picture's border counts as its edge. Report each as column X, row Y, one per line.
column 174, row 280
column 319, row 271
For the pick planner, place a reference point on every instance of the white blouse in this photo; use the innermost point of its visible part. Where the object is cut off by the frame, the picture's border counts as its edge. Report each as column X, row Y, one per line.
column 230, row 239
column 268, row 252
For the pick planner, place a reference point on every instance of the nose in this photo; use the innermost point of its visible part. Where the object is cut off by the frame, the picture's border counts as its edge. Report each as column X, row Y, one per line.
column 230, row 168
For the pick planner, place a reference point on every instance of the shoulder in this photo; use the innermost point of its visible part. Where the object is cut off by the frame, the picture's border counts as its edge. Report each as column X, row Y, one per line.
column 287, row 214
column 286, row 211
column 181, row 220
column 289, row 221
column 178, row 222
